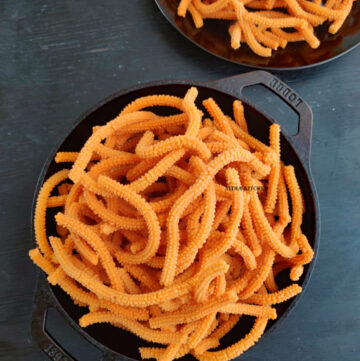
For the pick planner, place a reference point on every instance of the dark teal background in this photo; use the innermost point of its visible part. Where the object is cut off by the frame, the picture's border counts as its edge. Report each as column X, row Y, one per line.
column 58, row 58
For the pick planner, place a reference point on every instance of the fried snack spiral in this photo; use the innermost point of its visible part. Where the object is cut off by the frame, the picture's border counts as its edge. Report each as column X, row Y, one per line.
column 174, row 227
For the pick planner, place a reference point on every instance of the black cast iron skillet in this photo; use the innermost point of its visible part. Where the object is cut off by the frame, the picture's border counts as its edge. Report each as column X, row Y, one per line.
column 214, row 38
column 114, row 343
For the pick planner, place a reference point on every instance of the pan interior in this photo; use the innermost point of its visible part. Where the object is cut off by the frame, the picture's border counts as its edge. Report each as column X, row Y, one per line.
column 123, row 342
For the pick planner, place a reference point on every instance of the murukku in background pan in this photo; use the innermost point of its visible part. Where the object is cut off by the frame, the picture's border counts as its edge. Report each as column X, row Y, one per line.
column 266, row 25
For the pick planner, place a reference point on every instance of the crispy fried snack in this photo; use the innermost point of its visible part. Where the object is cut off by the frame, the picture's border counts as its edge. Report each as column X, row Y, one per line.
column 173, row 227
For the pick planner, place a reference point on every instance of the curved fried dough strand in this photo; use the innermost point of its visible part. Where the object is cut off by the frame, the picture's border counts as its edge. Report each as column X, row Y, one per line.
column 40, row 211
column 276, row 297
column 136, row 327
column 267, row 232
column 239, row 347
column 274, row 176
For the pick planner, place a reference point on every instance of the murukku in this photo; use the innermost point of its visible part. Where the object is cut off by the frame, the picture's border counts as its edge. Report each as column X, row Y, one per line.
column 264, row 24
column 177, row 225
column 295, row 194
column 40, row 211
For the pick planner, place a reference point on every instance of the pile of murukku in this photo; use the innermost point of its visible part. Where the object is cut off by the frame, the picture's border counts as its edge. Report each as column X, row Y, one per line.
column 266, row 25
column 175, row 227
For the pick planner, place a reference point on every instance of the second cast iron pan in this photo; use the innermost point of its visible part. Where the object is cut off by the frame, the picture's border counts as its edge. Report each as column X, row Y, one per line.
column 214, row 38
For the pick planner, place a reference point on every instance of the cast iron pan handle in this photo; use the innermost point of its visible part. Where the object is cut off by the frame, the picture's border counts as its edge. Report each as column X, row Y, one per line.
column 301, row 140
column 41, row 305
column 43, row 301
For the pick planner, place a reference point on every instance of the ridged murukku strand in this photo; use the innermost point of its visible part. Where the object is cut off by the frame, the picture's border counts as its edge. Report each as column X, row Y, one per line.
column 165, row 146
column 205, row 345
column 270, row 283
column 192, row 222
column 196, row 16
column 237, row 209
column 136, row 327
column 183, row 6
column 211, row 7
column 108, row 164
column 249, row 36
column 281, row 22
column 40, row 211
column 323, row 11
column 220, row 212
column 193, row 113
column 295, row 194
column 193, row 313
column 141, row 168
column 225, row 327
column 298, row 11
column 274, row 176
column 153, row 101
column 239, row 115
column 219, row 117
column 157, row 123
column 263, row 272
column 85, row 250
column 199, row 334
column 157, row 171
column 268, row 233
column 70, row 157
column 244, row 251
column 296, row 272
column 283, row 202
column 170, row 352
column 250, row 310
column 307, row 252
column 264, row 37
column 106, row 152
column 56, row 201
column 249, row 232
column 250, row 140
column 239, row 347
column 276, row 297
column 188, row 253
column 235, row 34
column 43, row 263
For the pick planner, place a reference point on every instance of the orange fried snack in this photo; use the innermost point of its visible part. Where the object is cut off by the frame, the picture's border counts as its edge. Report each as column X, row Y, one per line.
column 173, row 227
column 266, row 25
